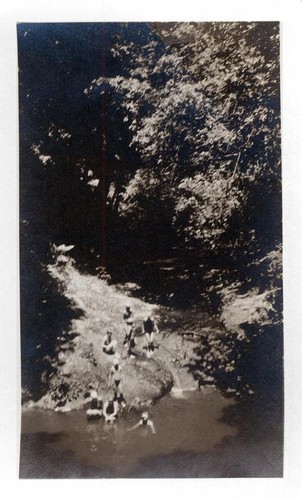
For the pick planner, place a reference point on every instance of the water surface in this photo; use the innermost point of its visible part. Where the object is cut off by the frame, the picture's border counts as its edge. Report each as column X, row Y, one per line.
column 202, row 434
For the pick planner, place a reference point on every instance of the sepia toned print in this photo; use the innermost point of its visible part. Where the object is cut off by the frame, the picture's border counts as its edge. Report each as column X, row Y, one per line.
column 150, row 250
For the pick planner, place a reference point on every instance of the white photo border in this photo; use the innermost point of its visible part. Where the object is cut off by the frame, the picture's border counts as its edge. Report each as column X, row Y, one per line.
column 289, row 13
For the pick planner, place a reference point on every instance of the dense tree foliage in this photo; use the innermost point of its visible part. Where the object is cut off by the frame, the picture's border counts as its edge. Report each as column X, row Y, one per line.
column 203, row 111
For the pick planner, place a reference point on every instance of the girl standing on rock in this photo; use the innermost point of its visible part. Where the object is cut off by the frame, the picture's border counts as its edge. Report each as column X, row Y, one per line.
column 128, row 319
column 129, row 340
column 149, row 329
column 115, row 377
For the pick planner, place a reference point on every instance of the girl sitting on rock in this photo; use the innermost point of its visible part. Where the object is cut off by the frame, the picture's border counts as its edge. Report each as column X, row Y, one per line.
column 109, row 345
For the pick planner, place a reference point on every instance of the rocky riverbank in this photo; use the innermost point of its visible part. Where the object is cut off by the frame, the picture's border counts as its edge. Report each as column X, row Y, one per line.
column 79, row 360
column 195, row 347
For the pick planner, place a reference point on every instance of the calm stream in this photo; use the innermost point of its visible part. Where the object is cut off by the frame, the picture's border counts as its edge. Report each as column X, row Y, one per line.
column 200, row 435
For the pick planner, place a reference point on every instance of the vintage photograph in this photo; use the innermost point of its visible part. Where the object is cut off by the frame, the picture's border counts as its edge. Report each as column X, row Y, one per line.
column 150, row 250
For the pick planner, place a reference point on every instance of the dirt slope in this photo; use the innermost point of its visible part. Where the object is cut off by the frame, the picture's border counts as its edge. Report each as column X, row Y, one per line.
column 80, row 360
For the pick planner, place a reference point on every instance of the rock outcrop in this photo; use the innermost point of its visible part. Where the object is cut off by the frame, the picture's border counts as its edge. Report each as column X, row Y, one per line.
column 80, row 361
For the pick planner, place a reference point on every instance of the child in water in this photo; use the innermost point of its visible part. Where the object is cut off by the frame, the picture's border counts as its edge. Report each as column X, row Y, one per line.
column 144, row 421
column 110, row 410
column 95, row 403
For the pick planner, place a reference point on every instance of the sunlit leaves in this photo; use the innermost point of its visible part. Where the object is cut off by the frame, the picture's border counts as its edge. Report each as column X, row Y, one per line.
column 205, row 204
column 203, row 112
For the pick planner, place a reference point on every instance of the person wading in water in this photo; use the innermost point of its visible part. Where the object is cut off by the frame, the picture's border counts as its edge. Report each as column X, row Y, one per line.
column 96, row 409
column 110, row 410
column 94, row 403
column 145, row 422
